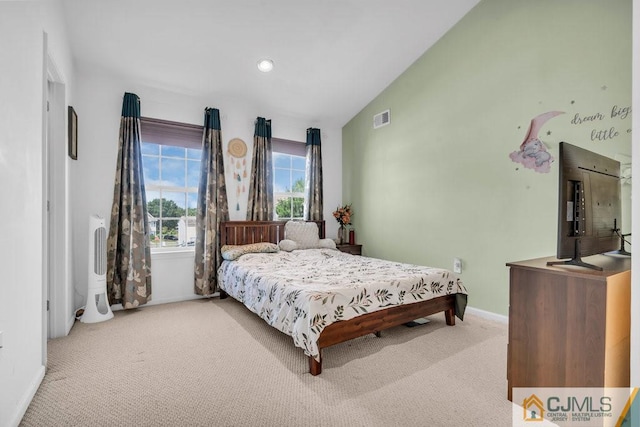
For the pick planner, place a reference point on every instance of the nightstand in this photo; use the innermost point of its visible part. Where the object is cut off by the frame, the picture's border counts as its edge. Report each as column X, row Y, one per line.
column 352, row 249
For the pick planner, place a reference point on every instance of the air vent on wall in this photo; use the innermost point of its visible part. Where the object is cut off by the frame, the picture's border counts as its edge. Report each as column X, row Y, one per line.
column 381, row 119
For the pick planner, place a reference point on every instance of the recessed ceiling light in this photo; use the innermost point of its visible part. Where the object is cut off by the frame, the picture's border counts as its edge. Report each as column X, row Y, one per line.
column 265, row 65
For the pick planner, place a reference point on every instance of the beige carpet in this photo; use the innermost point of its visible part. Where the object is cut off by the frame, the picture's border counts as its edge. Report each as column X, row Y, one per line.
column 214, row 363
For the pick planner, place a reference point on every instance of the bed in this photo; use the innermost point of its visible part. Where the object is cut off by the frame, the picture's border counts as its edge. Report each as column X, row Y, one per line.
column 321, row 296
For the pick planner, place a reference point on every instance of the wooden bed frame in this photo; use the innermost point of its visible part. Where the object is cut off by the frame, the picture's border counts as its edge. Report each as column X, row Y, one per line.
column 244, row 232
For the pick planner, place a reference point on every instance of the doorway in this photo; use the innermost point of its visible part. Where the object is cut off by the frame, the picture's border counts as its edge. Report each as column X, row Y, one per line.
column 58, row 304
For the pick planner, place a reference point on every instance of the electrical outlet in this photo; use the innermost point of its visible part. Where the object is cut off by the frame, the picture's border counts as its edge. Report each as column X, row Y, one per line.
column 457, row 265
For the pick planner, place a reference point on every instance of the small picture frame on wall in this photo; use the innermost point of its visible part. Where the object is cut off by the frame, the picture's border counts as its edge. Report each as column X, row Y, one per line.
column 73, row 133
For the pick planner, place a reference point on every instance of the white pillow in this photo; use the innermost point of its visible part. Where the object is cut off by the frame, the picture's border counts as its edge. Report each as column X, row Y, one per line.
column 304, row 234
column 287, row 245
column 231, row 252
column 327, row 243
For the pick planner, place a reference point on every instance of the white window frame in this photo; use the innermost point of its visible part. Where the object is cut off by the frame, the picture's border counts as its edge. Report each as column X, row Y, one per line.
column 292, row 148
column 171, row 134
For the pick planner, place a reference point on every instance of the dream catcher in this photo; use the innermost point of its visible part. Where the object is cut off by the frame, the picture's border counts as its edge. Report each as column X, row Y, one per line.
column 237, row 151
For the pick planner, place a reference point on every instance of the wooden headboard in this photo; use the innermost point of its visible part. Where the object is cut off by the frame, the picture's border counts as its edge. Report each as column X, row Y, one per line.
column 244, row 232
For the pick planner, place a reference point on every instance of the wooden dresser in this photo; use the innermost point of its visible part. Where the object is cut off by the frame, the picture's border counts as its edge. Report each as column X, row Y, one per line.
column 569, row 326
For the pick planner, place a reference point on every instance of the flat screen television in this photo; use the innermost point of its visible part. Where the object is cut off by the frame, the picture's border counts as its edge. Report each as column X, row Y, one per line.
column 589, row 205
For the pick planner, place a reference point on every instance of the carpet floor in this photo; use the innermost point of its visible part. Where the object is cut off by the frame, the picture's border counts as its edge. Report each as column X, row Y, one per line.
column 212, row 362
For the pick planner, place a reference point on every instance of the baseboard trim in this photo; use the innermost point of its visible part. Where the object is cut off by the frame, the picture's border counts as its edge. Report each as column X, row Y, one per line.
column 500, row 318
column 24, row 403
column 70, row 322
column 118, row 307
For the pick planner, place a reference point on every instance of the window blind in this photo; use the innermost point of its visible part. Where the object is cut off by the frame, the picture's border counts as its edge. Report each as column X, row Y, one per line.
column 165, row 132
column 287, row 146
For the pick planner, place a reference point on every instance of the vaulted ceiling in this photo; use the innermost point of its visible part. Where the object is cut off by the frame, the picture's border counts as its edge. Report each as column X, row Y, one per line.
column 332, row 57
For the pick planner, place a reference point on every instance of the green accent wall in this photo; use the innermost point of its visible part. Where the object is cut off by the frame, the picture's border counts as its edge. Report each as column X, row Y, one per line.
column 438, row 183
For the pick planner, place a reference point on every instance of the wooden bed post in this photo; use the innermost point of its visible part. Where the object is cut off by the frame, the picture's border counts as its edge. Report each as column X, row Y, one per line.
column 315, row 367
column 450, row 316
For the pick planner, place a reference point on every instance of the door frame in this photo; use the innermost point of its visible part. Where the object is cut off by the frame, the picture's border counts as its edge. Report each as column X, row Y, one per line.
column 59, row 317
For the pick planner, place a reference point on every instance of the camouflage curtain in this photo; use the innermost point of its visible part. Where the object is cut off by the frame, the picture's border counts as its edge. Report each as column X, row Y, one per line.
column 313, row 177
column 212, row 206
column 260, row 202
column 128, row 245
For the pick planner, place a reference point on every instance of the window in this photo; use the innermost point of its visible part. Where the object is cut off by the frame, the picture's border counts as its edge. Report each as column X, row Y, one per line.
column 289, row 162
column 171, row 154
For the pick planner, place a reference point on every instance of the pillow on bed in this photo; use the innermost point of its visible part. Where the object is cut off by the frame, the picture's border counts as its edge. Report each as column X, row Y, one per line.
column 327, row 243
column 304, row 234
column 231, row 252
column 287, row 245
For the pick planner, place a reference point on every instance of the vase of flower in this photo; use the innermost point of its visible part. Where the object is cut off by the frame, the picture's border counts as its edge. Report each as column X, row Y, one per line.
column 342, row 234
column 343, row 216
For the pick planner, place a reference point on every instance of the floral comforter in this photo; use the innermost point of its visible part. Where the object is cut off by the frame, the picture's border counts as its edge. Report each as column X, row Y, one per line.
column 302, row 292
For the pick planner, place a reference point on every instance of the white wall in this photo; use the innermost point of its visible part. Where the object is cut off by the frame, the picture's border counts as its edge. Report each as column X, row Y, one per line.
column 60, row 73
column 22, row 53
column 99, row 105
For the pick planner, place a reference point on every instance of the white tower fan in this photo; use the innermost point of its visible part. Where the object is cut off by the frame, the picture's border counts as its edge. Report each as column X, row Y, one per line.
column 97, row 308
